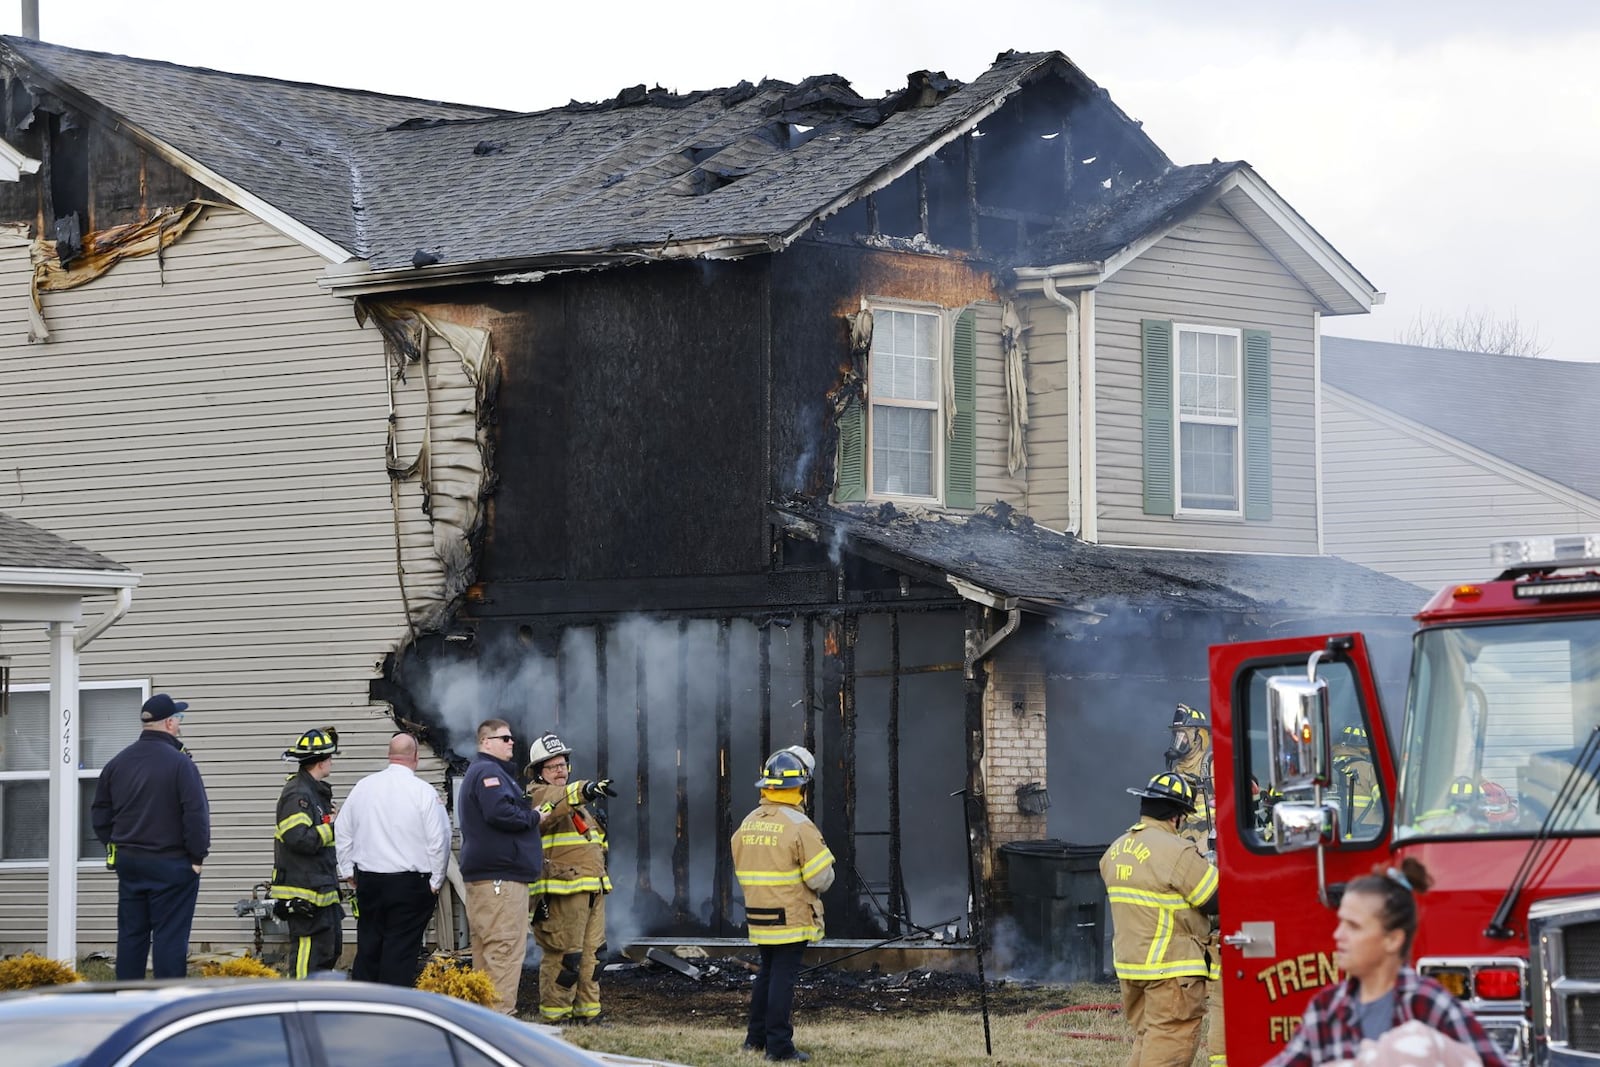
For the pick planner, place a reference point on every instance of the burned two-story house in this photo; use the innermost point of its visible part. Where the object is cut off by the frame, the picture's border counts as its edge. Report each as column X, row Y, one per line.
column 939, row 431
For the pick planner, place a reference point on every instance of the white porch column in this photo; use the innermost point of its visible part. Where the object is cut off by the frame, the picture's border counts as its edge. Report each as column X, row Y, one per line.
column 65, row 743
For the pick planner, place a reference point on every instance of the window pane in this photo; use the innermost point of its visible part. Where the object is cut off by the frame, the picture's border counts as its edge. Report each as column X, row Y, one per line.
column 1208, row 466
column 902, row 450
column 89, row 846
column 109, row 720
column 905, row 355
column 1355, row 790
column 355, row 1039
column 467, row 1056
column 257, row 1040
column 24, row 740
column 25, row 820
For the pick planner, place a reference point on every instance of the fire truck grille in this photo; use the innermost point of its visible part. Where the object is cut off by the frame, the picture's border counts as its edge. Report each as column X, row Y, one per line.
column 1583, row 1023
column 1582, row 951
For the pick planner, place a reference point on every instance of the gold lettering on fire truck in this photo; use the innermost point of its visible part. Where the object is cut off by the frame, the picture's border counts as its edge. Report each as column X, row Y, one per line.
column 1280, row 1028
column 1309, row 970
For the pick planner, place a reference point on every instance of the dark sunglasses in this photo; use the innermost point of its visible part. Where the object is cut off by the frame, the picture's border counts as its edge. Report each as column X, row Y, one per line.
column 498, row 737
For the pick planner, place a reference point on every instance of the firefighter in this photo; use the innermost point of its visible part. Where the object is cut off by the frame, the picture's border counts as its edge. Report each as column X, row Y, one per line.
column 1162, row 893
column 305, row 865
column 570, row 896
column 783, row 867
column 1190, row 756
column 1357, row 782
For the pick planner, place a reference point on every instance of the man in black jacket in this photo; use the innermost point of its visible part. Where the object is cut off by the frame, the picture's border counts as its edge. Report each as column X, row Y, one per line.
column 151, row 813
column 305, row 864
column 501, row 852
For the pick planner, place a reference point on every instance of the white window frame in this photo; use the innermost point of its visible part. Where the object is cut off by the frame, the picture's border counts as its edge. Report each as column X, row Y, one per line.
column 83, row 773
column 941, row 365
column 1179, row 418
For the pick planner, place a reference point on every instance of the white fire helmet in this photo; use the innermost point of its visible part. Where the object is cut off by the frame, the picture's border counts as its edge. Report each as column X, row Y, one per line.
column 545, row 747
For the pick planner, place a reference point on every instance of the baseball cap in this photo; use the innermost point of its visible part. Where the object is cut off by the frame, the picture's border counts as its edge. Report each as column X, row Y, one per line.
column 160, row 706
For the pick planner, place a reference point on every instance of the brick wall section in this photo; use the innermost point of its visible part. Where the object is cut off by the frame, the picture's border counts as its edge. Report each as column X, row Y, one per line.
column 1014, row 745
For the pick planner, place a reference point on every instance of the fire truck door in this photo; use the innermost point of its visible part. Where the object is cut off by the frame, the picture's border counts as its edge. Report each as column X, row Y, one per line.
column 1276, row 922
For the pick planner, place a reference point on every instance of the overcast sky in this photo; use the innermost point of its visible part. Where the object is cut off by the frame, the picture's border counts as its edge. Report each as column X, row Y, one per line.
column 1449, row 148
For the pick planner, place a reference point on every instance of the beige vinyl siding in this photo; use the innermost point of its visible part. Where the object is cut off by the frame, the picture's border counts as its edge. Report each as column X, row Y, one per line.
column 218, row 423
column 1405, row 500
column 994, row 417
column 1208, row 271
column 1049, row 414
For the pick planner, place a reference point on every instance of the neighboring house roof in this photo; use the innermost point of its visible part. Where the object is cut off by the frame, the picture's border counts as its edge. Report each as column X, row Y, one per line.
column 1007, row 554
column 288, row 143
column 1538, row 414
column 25, row 546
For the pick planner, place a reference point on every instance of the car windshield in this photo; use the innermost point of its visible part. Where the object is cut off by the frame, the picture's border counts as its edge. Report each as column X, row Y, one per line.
column 1496, row 717
column 58, row 1031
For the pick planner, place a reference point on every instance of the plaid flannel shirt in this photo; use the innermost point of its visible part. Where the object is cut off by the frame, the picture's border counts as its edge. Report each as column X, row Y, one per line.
column 1330, row 1029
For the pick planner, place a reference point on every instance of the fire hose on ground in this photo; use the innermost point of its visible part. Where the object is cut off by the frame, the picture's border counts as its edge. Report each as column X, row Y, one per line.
column 1084, row 1035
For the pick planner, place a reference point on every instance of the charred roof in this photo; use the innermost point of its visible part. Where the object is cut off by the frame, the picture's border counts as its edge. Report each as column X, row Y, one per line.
column 1006, row 553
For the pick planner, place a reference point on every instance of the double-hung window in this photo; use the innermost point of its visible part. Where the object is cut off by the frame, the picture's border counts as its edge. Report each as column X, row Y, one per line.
column 905, row 382
column 107, row 720
column 1207, row 409
column 1208, row 406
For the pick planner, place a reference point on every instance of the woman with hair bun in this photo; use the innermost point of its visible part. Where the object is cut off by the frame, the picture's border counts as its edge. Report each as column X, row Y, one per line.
column 1381, row 994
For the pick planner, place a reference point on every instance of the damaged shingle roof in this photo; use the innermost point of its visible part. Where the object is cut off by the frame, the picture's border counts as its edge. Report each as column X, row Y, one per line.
column 403, row 182
column 24, row 545
column 1538, row 414
column 1010, row 555
column 289, row 143
column 1106, row 227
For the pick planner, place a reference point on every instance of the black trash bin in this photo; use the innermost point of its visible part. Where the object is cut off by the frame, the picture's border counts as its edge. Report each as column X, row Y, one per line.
column 1059, row 902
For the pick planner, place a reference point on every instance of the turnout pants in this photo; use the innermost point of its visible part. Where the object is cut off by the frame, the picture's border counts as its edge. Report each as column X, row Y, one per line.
column 392, row 913
column 1216, row 1047
column 569, row 980
column 315, row 940
column 497, row 913
column 772, row 1000
column 1165, row 1016
column 155, row 909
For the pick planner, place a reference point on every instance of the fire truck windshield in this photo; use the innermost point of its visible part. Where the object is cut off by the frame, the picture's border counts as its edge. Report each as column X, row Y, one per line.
column 1495, row 717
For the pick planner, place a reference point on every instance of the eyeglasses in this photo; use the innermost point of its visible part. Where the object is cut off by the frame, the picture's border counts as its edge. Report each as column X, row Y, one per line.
column 558, row 766
column 499, row 737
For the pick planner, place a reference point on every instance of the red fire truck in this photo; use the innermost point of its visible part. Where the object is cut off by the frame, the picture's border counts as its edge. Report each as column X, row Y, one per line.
column 1493, row 783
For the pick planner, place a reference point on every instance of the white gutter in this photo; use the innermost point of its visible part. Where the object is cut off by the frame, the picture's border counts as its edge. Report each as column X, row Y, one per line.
column 979, row 647
column 1074, row 405
column 52, row 579
column 106, row 621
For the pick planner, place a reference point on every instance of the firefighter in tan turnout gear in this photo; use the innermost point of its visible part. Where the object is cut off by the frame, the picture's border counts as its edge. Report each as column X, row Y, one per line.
column 569, row 899
column 1189, row 754
column 1161, row 891
column 783, row 866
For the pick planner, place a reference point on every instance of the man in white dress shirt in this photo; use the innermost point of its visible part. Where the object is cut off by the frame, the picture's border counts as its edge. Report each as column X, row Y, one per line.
column 393, row 839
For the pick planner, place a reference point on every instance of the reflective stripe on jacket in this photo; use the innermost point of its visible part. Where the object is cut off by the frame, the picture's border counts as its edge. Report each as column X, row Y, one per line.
column 782, row 864
column 1155, row 880
column 305, row 865
column 574, row 862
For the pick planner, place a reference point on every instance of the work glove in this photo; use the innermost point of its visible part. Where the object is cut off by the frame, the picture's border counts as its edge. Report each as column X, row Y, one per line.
column 592, row 790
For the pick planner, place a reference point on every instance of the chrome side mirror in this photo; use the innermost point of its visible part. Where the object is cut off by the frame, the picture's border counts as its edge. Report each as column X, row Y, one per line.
column 1298, row 746
column 1297, row 825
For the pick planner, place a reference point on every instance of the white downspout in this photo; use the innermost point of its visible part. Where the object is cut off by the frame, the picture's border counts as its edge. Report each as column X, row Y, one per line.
column 1316, row 418
column 1090, row 418
column 106, row 621
column 66, row 740
column 1075, row 509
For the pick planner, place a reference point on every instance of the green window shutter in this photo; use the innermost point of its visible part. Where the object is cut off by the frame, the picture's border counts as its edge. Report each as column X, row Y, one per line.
column 1156, row 341
column 1257, row 424
column 961, row 451
column 850, row 482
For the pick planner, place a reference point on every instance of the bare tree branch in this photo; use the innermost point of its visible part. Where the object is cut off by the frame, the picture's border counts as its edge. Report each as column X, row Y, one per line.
column 1474, row 330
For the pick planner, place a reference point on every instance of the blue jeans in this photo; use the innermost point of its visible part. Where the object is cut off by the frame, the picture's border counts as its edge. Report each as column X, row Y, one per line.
column 155, row 909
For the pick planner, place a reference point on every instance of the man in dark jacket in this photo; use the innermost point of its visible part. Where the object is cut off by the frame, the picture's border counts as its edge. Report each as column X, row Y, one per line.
column 500, row 854
column 150, row 812
column 305, row 864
